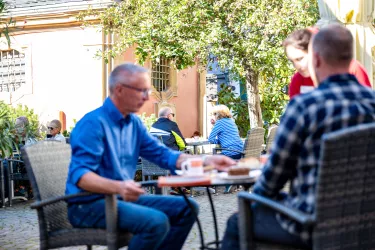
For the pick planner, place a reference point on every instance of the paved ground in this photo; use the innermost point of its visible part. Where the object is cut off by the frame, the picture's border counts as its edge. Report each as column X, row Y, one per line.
column 19, row 225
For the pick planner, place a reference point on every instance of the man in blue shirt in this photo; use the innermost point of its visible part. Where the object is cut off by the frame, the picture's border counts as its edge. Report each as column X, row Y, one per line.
column 339, row 101
column 106, row 144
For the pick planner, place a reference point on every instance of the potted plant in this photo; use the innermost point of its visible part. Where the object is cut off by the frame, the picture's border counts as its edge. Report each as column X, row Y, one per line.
column 9, row 138
column 7, row 132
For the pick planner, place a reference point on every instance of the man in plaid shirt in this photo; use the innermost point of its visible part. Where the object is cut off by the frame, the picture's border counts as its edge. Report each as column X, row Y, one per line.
column 339, row 101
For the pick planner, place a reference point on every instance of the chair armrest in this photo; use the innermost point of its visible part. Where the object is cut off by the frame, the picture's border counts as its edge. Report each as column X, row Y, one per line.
column 302, row 218
column 110, row 214
column 214, row 150
column 40, row 204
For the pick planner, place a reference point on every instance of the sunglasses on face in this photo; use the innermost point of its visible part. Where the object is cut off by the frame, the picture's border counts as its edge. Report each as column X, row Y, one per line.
column 172, row 114
column 51, row 128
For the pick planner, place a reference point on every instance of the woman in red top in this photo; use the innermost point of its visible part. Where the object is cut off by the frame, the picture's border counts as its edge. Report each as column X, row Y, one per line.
column 296, row 49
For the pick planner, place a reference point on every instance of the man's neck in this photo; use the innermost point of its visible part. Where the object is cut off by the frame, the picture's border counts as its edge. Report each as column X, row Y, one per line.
column 324, row 74
column 117, row 105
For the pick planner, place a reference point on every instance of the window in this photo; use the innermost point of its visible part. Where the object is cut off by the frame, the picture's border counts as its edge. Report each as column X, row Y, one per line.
column 160, row 75
column 12, row 70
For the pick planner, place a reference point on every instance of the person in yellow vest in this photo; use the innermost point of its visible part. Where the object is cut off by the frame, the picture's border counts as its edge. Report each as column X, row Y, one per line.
column 168, row 130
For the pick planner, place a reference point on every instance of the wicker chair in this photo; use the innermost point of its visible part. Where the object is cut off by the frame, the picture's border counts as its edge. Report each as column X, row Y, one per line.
column 252, row 146
column 270, row 137
column 47, row 164
column 344, row 215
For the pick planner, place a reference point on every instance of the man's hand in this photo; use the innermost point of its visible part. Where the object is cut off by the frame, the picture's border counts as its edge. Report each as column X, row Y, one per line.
column 220, row 162
column 130, row 190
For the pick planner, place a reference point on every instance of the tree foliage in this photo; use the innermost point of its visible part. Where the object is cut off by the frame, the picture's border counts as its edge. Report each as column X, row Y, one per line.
column 4, row 22
column 245, row 35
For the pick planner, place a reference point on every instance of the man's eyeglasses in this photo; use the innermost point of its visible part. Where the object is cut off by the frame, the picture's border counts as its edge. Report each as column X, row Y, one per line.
column 51, row 128
column 171, row 114
column 145, row 92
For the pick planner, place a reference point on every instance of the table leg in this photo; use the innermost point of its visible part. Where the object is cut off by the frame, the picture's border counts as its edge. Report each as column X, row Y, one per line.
column 196, row 217
column 217, row 242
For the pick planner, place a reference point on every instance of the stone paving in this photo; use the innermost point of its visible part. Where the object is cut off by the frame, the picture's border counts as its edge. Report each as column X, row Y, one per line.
column 19, row 224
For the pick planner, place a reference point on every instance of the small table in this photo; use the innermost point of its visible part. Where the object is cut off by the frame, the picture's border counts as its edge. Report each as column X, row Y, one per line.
column 204, row 181
column 197, row 143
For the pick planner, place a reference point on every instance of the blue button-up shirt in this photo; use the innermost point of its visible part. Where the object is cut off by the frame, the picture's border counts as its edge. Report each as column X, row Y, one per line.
column 225, row 133
column 108, row 144
column 338, row 102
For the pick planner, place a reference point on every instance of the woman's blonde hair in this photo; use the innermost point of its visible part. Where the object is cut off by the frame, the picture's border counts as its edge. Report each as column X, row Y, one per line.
column 221, row 111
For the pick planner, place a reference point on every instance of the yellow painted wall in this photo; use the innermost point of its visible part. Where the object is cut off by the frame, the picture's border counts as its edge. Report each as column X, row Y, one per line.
column 65, row 76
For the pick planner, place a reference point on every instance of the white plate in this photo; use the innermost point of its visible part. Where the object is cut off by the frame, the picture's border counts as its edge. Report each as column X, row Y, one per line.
column 252, row 174
column 179, row 172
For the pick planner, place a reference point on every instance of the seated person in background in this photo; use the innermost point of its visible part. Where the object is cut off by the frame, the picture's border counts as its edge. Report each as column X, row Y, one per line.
column 54, row 130
column 296, row 49
column 21, row 126
column 196, row 134
column 168, row 130
column 106, row 144
column 225, row 132
column 338, row 101
column 22, row 187
column 171, row 136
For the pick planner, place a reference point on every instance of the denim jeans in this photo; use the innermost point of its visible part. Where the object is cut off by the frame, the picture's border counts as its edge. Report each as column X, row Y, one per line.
column 157, row 222
column 265, row 228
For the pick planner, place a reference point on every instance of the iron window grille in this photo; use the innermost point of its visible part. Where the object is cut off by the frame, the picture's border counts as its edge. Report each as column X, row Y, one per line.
column 160, row 75
column 12, row 70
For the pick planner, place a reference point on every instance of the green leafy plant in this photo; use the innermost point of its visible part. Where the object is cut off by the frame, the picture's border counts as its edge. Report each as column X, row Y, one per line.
column 67, row 133
column 7, row 132
column 238, row 107
column 4, row 31
column 9, row 138
column 147, row 120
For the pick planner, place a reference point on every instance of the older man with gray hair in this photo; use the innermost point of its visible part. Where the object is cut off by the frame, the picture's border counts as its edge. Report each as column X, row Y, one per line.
column 168, row 130
column 106, row 144
column 338, row 101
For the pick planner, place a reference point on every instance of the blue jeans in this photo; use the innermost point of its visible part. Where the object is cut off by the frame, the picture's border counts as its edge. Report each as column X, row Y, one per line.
column 157, row 222
column 265, row 228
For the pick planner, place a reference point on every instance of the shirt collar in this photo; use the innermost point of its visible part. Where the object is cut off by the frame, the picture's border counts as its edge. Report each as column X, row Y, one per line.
column 341, row 79
column 114, row 113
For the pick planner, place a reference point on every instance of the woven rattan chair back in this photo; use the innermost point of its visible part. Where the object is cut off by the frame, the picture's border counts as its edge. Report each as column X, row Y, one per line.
column 270, row 137
column 151, row 169
column 48, row 164
column 345, row 200
column 253, row 142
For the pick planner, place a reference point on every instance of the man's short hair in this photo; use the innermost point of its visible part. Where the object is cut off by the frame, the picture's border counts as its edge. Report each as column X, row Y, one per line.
column 22, row 121
column 299, row 39
column 334, row 43
column 129, row 68
column 163, row 112
column 56, row 124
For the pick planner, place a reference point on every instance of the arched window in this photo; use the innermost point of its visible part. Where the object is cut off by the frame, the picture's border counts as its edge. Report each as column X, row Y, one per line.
column 160, row 75
column 12, row 70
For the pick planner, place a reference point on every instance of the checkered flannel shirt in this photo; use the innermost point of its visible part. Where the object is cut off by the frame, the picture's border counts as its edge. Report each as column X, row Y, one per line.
column 338, row 102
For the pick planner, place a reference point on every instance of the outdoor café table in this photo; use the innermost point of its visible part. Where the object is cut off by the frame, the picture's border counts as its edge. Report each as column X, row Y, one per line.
column 195, row 143
column 201, row 181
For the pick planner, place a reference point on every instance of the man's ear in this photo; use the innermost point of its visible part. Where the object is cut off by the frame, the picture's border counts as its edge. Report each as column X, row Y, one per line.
column 317, row 60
